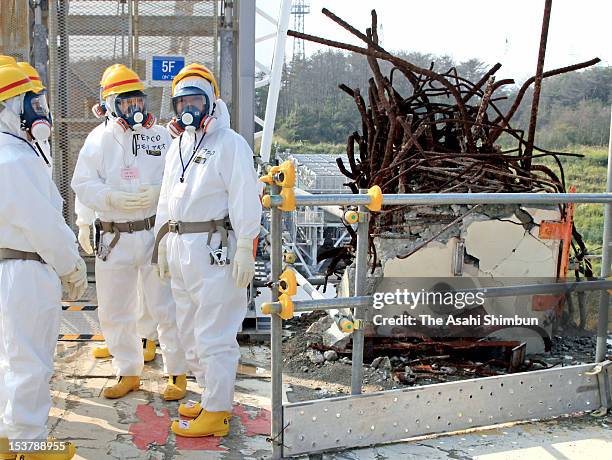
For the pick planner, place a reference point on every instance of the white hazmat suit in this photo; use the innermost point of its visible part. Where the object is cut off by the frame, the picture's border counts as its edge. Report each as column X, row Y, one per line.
column 118, row 161
column 30, row 292
column 220, row 181
column 147, row 326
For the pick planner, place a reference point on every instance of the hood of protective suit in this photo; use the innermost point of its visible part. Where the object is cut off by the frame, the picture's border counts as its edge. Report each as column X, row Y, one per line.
column 10, row 115
column 220, row 119
column 110, row 114
column 200, row 83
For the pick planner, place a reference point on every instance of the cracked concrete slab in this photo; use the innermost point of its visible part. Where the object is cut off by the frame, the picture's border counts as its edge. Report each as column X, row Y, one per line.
column 435, row 260
column 505, row 248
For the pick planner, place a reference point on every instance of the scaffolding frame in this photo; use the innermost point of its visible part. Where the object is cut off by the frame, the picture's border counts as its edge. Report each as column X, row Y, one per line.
column 390, row 416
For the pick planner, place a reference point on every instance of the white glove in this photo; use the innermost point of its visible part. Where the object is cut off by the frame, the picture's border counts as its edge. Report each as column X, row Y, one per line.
column 162, row 261
column 75, row 282
column 124, row 201
column 244, row 263
column 84, row 241
column 149, row 196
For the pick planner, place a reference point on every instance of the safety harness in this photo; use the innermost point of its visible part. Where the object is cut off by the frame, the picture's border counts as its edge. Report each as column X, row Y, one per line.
column 117, row 228
column 222, row 226
column 14, row 254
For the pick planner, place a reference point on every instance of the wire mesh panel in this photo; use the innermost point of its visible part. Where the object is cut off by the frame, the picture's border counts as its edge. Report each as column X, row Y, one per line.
column 14, row 29
column 86, row 36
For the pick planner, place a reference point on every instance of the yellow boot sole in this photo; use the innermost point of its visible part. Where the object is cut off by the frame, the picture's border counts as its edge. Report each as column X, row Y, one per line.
column 215, row 424
column 177, row 431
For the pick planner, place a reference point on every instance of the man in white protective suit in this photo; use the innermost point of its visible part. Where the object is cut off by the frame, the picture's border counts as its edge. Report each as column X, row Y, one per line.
column 118, row 175
column 38, row 256
column 209, row 214
column 147, row 326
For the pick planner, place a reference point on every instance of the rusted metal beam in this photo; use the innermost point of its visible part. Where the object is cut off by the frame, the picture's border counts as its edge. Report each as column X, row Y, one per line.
column 537, row 88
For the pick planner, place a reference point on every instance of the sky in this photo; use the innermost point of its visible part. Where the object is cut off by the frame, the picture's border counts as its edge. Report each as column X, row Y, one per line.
column 490, row 30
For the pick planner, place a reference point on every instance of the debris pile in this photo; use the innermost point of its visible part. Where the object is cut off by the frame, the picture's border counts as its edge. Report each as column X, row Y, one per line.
column 316, row 370
column 442, row 137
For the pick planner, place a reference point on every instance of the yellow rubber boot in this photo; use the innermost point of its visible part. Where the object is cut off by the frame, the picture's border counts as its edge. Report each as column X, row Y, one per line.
column 67, row 453
column 122, row 387
column 148, row 350
column 205, row 424
column 101, row 352
column 176, row 388
column 5, row 452
column 190, row 409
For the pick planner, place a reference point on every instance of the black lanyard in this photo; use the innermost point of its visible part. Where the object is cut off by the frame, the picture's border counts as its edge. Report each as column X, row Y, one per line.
column 29, row 145
column 134, row 145
column 195, row 149
column 42, row 154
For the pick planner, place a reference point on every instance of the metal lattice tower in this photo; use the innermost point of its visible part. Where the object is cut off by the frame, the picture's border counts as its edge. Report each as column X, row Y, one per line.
column 299, row 9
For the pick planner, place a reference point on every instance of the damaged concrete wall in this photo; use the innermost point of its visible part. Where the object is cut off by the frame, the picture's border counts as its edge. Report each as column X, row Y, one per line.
column 497, row 246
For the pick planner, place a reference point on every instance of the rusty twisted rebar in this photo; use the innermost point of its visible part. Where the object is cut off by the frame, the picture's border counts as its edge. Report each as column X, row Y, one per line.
column 441, row 137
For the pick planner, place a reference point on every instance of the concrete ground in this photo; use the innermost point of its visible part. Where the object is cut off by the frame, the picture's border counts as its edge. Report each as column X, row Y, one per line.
column 137, row 427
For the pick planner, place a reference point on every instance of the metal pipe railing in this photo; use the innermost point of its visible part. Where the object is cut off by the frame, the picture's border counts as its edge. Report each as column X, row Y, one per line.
column 606, row 259
column 333, row 210
column 328, row 304
column 544, row 288
column 488, row 292
column 432, row 199
column 276, row 333
column 361, row 268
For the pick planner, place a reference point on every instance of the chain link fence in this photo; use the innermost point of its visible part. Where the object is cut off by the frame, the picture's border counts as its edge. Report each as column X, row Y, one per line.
column 86, row 36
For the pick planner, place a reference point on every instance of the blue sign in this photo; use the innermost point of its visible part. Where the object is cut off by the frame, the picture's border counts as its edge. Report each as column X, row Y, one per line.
column 165, row 68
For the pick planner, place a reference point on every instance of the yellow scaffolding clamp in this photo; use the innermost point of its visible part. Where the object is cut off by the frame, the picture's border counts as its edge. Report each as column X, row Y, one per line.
column 286, row 307
column 282, row 175
column 290, row 258
column 351, row 217
column 345, row 325
column 288, row 197
column 287, row 283
column 287, row 286
column 376, row 198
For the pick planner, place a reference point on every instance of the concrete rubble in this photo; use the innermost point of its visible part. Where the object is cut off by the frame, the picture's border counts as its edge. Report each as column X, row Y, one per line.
column 499, row 246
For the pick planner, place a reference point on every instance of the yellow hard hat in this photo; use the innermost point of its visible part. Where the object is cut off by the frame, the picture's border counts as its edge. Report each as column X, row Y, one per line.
column 199, row 70
column 121, row 80
column 108, row 70
column 32, row 75
column 13, row 82
column 4, row 60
